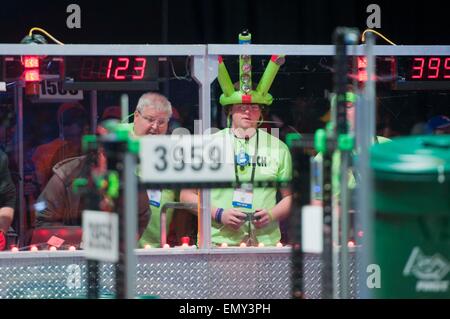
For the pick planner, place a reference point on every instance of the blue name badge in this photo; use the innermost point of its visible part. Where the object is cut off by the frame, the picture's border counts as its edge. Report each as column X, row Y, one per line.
column 154, row 196
column 243, row 197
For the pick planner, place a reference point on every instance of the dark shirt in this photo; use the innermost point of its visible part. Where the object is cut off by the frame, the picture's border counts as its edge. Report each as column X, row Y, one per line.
column 7, row 187
column 62, row 206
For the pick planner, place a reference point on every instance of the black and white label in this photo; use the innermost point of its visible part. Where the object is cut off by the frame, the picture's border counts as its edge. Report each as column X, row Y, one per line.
column 193, row 158
column 101, row 235
column 53, row 91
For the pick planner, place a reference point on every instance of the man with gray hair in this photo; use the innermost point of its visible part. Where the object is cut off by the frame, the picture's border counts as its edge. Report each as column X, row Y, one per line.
column 152, row 115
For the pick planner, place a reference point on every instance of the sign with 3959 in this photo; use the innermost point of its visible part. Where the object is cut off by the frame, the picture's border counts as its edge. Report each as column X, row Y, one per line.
column 186, row 159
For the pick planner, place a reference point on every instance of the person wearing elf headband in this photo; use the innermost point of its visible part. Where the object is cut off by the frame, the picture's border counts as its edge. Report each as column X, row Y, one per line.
column 247, row 214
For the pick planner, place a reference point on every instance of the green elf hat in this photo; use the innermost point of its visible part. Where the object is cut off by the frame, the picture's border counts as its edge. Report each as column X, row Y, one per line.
column 245, row 94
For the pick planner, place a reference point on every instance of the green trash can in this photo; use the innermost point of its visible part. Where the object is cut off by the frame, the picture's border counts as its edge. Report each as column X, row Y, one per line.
column 412, row 217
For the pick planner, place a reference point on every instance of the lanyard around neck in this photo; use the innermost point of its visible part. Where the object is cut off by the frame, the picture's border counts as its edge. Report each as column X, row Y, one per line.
column 253, row 159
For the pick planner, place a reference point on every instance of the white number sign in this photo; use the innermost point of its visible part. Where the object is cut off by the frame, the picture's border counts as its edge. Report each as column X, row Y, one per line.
column 52, row 91
column 186, row 159
column 101, row 235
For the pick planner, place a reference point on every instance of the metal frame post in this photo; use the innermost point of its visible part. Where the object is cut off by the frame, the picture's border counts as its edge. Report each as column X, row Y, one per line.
column 131, row 210
column 94, row 111
column 18, row 101
column 204, row 70
column 365, row 124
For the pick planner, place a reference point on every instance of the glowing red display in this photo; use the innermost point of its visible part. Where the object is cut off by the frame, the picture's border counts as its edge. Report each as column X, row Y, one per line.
column 430, row 68
column 31, row 62
column 112, row 68
column 32, row 75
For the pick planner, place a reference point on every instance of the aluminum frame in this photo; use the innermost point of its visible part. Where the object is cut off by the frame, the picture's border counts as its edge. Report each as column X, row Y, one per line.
column 204, row 71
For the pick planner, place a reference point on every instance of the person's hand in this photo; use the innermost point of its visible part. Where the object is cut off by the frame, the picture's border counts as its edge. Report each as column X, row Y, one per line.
column 262, row 218
column 233, row 218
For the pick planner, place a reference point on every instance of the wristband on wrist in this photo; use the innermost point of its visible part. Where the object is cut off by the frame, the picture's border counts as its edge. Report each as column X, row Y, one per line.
column 218, row 216
column 269, row 212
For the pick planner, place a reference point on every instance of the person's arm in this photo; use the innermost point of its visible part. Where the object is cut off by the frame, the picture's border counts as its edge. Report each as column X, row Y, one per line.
column 279, row 212
column 189, row 196
column 6, row 218
column 229, row 217
column 282, row 209
column 145, row 212
column 53, row 200
column 7, row 195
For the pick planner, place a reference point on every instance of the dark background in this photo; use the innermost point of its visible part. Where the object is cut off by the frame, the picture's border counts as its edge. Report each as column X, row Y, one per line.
column 299, row 88
column 219, row 21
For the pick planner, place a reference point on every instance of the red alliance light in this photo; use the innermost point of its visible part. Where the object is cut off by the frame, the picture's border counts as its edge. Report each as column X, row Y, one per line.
column 362, row 68
column 31, row 62
column 32, row 75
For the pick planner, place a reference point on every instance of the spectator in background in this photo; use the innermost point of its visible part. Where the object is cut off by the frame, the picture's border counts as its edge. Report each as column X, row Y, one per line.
column 7, row 199
column 7, row 187
column 438, row 125
column 175, row 121
column 73, row 124
column 59, row 205
column 111, row 113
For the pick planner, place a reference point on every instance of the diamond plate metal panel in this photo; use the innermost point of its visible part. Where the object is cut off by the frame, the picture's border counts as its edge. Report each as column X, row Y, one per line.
column 176, row 275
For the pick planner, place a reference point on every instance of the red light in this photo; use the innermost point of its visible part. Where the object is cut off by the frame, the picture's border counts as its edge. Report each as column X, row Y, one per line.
column 33, row 248
column 108, row 72
column 140, row 70
column 433, row 65
column 111, row 68
column 362, row 62
column 447, row 68
column 185, row 240
column 362, row 66
column 418, row 67
column 32, row 75
column 62, row 233
column 360, row 233
column 121, row 68
column 351, row 244
column 43, row 232
column 31, row 62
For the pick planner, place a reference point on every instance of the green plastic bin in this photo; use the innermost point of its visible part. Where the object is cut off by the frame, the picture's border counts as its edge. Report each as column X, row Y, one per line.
column 412, row 217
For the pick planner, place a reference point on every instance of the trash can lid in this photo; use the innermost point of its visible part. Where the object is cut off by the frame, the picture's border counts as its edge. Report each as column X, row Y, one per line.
column 413, row 155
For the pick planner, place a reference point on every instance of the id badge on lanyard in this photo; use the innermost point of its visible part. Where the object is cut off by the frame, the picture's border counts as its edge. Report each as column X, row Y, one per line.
column 154, row 196
column 243, row 196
